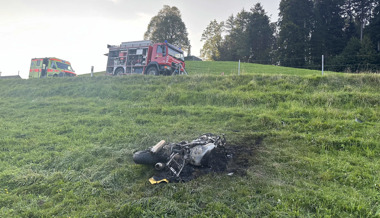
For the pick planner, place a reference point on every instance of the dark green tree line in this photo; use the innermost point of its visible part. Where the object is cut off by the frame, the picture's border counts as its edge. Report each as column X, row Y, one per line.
column 346, row 32
column 249, row 37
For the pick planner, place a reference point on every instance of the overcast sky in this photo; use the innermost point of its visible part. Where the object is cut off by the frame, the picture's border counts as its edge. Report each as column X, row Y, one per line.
column 79, row 30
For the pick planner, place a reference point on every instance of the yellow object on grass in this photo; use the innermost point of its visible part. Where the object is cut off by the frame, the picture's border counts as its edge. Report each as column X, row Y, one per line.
column 155, row 180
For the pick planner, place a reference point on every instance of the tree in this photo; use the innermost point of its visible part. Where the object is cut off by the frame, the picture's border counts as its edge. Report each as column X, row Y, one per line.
column 350, row 54
column 367, row 54
column 350, row 28
column 260, row 36
column 327, row 36
column 363, row 10
column 248, row 37
column 295, row 29
column 168, row 25
column 357, row 14
column 230, row 24
column 227, row 49
column 235, row 44
column 357, row 56
column 374, row 26
column 212, row 37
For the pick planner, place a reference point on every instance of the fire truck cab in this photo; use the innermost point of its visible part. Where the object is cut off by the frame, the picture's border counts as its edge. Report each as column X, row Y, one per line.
column 145, row 57
column 50, row 67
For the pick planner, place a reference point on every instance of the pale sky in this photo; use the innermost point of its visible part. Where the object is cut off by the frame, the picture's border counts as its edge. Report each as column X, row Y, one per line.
column 79, row 30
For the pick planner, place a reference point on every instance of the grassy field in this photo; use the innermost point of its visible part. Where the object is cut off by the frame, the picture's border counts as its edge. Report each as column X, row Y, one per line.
column 231, row 68
column 66, row 144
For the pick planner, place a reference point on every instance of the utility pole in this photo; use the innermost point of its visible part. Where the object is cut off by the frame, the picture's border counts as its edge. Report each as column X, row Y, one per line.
column 323, row 60
column 189, row 50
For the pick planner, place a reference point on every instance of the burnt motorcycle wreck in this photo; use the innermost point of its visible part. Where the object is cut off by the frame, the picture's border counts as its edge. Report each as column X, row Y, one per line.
column 183, row 161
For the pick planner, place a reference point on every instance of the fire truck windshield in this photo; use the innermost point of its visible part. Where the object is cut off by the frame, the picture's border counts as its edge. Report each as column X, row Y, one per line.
column 64, row 66
column 176, row 54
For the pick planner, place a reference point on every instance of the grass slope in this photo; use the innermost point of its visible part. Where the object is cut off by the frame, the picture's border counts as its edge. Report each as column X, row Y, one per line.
column 66, row 145
column 231, row 68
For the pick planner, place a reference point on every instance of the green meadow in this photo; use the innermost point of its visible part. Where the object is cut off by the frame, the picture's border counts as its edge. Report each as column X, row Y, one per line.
column 311, row 143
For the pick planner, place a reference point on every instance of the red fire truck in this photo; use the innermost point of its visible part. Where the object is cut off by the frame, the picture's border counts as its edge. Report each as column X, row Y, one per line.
column 50, row 67
column 145, row 57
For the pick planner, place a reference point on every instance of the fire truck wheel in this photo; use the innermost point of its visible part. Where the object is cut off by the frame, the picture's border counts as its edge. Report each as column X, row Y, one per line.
column 119, row 70
column 152, row 71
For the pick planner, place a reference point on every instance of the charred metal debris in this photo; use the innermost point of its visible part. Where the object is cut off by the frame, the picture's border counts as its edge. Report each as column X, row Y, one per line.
column 184, row 161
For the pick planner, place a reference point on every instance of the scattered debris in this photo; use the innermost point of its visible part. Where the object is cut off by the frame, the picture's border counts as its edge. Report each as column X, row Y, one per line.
column 184, row 161
column 358, row 120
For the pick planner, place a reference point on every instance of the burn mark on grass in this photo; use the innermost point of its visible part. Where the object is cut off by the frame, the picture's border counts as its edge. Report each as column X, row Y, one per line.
column 233, row 159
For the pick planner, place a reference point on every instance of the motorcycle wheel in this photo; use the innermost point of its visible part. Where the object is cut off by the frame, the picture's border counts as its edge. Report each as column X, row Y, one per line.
column 146, row 157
